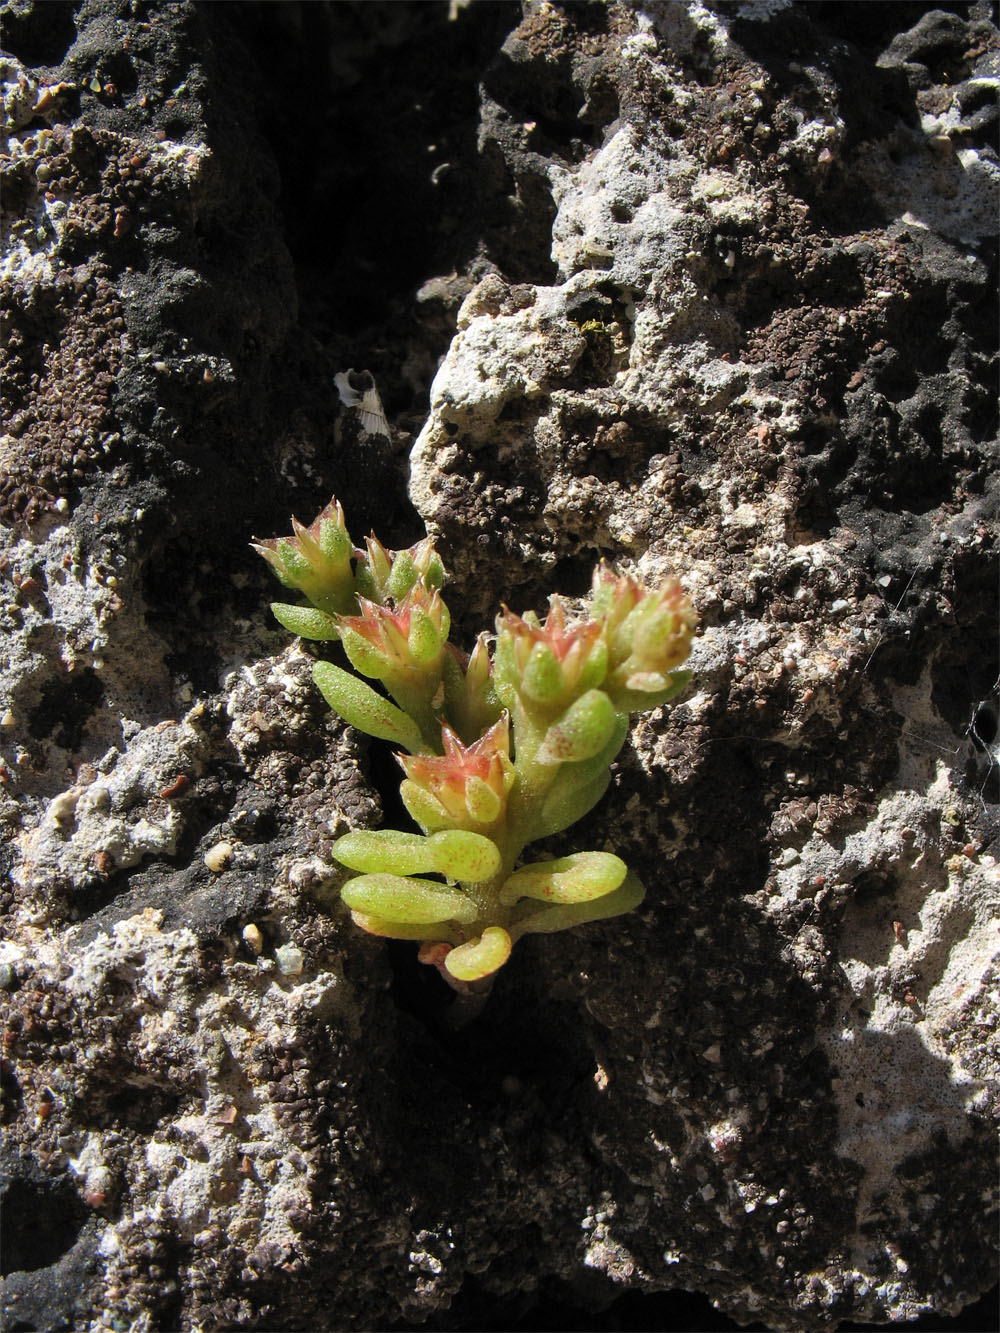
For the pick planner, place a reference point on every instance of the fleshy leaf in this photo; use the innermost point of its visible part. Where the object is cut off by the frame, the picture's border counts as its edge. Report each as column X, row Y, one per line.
column 534, row 918
column 425, row 638
column 581, row 732
column 393, row 644
column 642, row 700
column 481, row 801
column 424, row 807
column 578, row 787
column 402, row 576
column 361, row 654
column 478, row 958
column 332, row 537
column 570, row 879
column 359, row 705
column 564, row 807
column 451, row 852
column 305, row 621
column 401, row 930
column 375, row 850
column 397, row 898
column 292, row 563
column 542, row 678
column 463, row 855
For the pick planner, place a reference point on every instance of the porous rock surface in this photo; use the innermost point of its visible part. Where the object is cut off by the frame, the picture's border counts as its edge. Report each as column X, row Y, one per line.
column 708, row 287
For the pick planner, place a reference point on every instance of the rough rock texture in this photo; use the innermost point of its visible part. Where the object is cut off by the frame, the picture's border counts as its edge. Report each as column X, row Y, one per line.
column 701, row 286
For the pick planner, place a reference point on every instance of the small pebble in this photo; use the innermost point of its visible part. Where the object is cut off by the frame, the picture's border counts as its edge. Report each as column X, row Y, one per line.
column 253, row 938
column 219, row 856
column 289, row 959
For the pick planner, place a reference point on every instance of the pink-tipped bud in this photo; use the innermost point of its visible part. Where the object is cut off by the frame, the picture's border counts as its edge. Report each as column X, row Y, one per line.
column 401, row 645
column 389, row 576
column 548, row 665
column 648, row 634
column 466, row 787
column 470, row 701
column 315, row 559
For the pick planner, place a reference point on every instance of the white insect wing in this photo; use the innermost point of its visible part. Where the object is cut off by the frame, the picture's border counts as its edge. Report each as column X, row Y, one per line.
column 368, row 402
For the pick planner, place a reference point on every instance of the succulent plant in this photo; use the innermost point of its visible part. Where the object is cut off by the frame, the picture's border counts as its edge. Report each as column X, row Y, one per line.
column 497, row 750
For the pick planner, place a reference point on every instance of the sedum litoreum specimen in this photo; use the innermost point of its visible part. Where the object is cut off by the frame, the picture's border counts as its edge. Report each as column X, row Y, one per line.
column 497, row 750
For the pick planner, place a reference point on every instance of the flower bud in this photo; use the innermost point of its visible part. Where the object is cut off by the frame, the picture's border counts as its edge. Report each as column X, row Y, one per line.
column 316, row 560
column 388, row 576
column 648, row 636
column 466, row 787
column 397, row 646
column 470, row 700
column 548, row 665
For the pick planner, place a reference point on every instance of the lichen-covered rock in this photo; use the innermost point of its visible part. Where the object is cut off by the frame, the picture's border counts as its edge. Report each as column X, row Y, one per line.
column 702, row 287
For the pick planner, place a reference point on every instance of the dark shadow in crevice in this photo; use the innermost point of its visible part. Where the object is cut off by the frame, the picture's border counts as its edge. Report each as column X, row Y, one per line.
column 382, row 192
column 43, row 1218
column 65, row 707
column 677, row 1311
column 39, row 34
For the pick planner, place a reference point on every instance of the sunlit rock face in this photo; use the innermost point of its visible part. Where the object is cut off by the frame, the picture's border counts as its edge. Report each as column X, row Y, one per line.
column 697, row 288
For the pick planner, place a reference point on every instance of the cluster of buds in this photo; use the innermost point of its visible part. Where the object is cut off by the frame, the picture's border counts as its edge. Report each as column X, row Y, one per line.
column 401, row 647
column 496, row 753
column 387, row 576
column 567, row 685
column 386, row 609
column 549, row 665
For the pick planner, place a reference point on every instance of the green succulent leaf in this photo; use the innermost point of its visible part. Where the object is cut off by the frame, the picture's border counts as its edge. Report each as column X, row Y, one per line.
column 293, row 564
column 578, row 787
column 452, row 852
column 564, row 807
column 398, row 898
column 542, row 679
column 479, row 957
column 305, row 621
column 582, row 731
column 535, row 918
column 484, row 805
column 578, row 878
column 464, row 855
column 364, row 656
column 424, row 640
column 401, row 930
column 422, row 806
column 375, row 850
column 655, row 691
column 335, row 542
column 360, row 706
column 402, row 576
